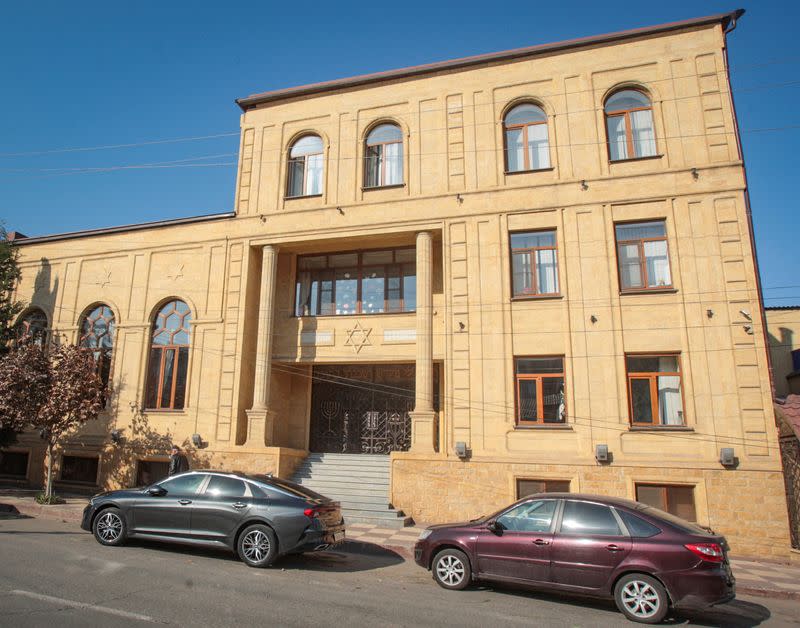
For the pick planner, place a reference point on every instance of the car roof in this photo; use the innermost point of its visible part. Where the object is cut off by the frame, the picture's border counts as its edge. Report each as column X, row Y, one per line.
column 589, row 497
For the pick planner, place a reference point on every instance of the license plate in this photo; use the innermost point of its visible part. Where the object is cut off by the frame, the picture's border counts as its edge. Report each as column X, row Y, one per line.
column 338, row 537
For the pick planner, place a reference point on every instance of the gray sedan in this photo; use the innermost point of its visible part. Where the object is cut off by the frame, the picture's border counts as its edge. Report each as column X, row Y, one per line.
column 259, row 517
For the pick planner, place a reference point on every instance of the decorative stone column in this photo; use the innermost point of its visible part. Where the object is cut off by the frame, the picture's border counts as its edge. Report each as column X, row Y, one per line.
column 260, row 419
column 423, row 435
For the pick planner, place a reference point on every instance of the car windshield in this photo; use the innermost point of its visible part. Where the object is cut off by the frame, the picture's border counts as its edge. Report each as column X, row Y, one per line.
column 286, row 486
column 676, row 522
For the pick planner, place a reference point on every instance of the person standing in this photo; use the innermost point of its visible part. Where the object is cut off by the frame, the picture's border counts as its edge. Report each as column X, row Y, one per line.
column 177, row 461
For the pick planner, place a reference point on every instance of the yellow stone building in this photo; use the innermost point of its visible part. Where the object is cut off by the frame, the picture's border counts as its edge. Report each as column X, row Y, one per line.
column 528, row 270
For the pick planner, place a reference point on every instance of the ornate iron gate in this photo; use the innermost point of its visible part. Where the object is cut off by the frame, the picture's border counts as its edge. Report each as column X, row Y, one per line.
column 362, row 409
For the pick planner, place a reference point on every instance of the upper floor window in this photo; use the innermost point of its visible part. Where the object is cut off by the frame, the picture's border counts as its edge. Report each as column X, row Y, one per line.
column 629, row 123
column 366, row 282
column 540, row 390
column 305, row 167
column 527, row 144
column 654, row 389
column 169, row 357
column 643, row 255
column 33, row 325
column 383, row 156
column 97, row 334
column 534, row 263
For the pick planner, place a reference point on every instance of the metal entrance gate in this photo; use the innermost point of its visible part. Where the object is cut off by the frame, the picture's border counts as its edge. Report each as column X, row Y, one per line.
column 362, row 408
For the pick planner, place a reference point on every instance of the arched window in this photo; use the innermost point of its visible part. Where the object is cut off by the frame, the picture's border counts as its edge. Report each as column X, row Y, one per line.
column 383, row 156
column 305, row 167
column 169, row 357
column 527, row 143
column 97, row 334
column 629, row 123
column 33, row 325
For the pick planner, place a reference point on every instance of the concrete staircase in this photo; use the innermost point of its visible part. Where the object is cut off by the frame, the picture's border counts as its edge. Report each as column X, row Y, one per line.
column 360, row 482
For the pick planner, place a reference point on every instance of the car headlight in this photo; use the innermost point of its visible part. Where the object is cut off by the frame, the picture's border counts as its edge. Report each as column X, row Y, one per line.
column 425, row 534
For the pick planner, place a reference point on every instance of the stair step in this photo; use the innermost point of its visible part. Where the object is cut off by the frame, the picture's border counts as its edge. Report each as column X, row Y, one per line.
column 359, row 502
column 353, row 460
column 339, row 493
column 400, row 522
column 340, row 468
column 338, row 480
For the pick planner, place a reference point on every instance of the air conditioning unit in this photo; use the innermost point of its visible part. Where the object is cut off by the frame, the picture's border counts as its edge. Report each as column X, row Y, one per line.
column 601, row 453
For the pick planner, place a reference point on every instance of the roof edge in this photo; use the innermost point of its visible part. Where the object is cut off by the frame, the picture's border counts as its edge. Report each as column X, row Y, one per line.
column 253, row 100
column 88, row 233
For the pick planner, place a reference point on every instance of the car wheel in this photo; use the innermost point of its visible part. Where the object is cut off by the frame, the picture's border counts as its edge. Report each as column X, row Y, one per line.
column 451, row 569
column 257, row 545
column 641, row 598
column 109, row 527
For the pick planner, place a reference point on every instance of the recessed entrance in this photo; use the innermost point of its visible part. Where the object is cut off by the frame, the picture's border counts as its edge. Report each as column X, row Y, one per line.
column 362, row 408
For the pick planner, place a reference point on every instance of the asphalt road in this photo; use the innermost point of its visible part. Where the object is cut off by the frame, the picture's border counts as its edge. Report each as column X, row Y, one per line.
column 54, row 574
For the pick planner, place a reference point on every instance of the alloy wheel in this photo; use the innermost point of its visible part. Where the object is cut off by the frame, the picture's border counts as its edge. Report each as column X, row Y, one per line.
column 450, row 570
column 109, row 527
column 640, row 599
column 255, row 546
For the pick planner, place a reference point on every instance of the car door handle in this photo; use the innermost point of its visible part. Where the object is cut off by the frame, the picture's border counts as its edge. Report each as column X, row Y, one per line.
column 613, row 548
column 239, row 505
column 541, row 542
column 185, row 502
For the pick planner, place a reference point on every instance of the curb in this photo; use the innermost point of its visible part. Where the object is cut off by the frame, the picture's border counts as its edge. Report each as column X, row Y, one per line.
column 775, row 594
column 48, row 512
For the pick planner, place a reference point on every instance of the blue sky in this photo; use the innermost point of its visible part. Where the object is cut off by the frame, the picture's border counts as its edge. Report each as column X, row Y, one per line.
column 87, row 74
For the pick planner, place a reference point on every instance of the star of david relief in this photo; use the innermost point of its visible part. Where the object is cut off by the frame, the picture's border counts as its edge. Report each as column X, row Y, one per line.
column 358, row 337
column 104, row 279
column 177, row 272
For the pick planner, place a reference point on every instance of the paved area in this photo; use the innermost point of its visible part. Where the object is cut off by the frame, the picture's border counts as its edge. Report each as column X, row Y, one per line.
column 752, row 577
column 53, row 574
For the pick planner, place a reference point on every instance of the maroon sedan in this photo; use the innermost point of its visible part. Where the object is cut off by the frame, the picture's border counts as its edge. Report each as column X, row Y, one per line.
column 646, row 559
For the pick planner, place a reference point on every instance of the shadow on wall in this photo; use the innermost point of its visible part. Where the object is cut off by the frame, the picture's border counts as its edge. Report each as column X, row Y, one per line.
column 44, row 295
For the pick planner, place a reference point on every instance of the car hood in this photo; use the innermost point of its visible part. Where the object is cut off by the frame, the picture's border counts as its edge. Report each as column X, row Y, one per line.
column 463, row 524
column 128, row 492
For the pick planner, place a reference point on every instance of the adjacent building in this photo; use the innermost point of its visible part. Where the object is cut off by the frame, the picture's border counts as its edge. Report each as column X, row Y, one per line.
column 521, row 271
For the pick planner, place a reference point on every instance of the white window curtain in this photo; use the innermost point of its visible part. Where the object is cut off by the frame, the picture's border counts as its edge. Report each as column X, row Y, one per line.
column 547, row 273
column 394, row 163
column 523, row 276
column 657, row 262
column 630, row 271
column 644, row 137
column 669, row 400
column 314, row 174
column 617, row 144
column 516, row 150
column 538, row 146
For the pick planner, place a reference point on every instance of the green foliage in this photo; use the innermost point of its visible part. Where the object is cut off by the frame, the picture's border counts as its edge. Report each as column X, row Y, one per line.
column 9, row 275
column 44, row 499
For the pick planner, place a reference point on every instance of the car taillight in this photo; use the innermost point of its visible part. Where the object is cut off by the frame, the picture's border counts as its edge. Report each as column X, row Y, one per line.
column 711, row 552
column 311, row 513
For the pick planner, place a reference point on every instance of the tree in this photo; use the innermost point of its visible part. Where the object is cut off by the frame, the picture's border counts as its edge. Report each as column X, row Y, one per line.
column 53, row 389
column 9, row 308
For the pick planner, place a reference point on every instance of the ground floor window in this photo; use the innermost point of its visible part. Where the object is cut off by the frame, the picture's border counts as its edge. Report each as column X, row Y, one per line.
column 527, row 487
column 14, row 463
column 151, row 471
column 81, row 469
column 540, row 390
column 676, row 500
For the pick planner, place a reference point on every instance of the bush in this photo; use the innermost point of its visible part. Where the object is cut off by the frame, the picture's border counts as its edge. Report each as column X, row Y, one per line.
column 43, row 499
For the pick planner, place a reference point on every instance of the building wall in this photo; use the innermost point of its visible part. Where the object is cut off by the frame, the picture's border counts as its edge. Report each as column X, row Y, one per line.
column 456, row 188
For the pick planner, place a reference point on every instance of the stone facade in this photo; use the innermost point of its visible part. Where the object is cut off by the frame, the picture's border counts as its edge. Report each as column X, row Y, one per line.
column 251, row 359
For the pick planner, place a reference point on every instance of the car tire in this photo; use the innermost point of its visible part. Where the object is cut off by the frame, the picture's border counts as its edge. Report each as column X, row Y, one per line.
column 641, row 598
column 451, row 569
column 109, row 527
column 257, row 546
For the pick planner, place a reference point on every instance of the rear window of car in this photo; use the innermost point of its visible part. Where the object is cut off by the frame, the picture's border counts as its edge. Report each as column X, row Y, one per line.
column 676, row 522
column 286, row 486
column 637, row 527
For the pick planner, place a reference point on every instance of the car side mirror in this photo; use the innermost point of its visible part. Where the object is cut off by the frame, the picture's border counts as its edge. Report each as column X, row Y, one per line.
column 495, row 527
column 157, row 491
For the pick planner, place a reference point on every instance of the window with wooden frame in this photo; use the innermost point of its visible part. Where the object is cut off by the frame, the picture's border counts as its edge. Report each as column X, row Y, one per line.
column 383, row 156
column 304, row 176
column 540, row 390
column 526, row 139
column 32, row 326
column 527, row 487
column 654, row 390
column 676, row 500
column 629, row 124
column 79, row 469
column 97, row 335
column 643, row 256
column 169, row 357
column 360, row 282
column 534, row 264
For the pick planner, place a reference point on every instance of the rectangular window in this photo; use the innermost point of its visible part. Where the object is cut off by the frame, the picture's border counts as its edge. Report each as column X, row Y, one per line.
column 676, row 500
column 364, row 282
column 540, row 390
column 531, row 487
column 654, row 389
column 14, row 463
column 79, row 469
column 534, row 263
column 151, row 471
column 643, row 256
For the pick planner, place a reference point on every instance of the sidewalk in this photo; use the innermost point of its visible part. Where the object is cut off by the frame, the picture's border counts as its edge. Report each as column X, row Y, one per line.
column 752, row 577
